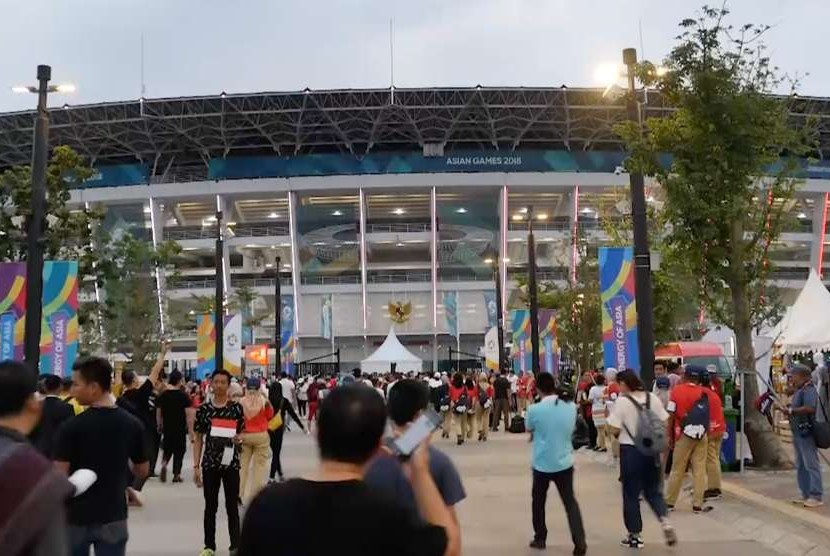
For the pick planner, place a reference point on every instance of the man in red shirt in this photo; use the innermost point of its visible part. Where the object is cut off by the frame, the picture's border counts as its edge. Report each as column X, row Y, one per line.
column 689, row 424
column 717, row 428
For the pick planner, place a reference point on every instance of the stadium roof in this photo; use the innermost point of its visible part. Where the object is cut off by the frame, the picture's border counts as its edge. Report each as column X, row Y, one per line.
column 176, row 137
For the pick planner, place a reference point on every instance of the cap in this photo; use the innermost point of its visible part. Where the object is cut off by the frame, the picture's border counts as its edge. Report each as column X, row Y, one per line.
column 436, row 375
column 799, row 369
column 253, row 383
column 695, row 371
column 663, row 382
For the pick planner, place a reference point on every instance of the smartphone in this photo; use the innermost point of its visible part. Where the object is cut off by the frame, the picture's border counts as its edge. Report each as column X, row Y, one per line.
column 425, row 425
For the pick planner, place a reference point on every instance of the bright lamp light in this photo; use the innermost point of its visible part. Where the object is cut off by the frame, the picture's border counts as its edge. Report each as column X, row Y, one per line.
column 607, row 74
column 66, row 88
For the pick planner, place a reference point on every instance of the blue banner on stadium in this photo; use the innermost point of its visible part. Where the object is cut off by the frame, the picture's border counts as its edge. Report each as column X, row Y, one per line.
column 619, row 308
column 120, row 174
column 414, row 163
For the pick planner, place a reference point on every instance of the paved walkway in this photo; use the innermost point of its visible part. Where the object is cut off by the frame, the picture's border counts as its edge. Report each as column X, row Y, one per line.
column 495, row 517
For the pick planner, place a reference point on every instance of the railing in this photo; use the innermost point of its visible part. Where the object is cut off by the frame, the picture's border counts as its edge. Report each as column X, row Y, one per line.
column 397, row 227
column 789, row 274
column 398, row 277
column 258, row 282
column 321, row 280
column 260, row 230
column 179, row 234
column 554, row 226
column 191, row 283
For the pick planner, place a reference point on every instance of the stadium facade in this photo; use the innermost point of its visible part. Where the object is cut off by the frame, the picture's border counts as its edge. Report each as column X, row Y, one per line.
column 378, row 196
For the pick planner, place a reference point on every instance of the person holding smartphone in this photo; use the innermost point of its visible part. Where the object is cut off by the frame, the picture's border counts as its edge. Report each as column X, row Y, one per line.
column 406, row 404
column 284, row 518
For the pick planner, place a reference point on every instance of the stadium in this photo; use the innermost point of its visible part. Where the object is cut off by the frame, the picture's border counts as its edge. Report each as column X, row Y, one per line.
column 379, row 196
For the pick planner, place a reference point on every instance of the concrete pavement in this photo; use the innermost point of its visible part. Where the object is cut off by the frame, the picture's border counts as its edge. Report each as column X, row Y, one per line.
column 495, row 517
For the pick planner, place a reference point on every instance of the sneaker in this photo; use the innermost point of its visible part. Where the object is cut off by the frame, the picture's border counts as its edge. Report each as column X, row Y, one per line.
column 538, row 544
column 580, row 550
column 670, row 507
column 133, row 498
column 714, row 494
column 633, row 541
column 207, row 552
column 163, row 475
column 702, row 510
column 669, row 534
column 177, row 479
column 813, row 503
column 459, row 441
column 798, row 501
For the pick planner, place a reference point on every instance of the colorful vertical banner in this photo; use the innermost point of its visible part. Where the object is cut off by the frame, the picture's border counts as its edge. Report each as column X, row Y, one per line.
column 451, row 312
column 492, row 309
column 232, row 351
column 326, row 316
column 491, row 349
column 59, row 326
column 12, row 310
column 619, row 308
column 206, row 345
column 288, row 336
column 522, row 351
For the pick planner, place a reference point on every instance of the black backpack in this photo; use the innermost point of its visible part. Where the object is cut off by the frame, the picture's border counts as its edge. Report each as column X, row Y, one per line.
column 696, row 422
column 483, row 398
column 463, row 404
column 517, row 424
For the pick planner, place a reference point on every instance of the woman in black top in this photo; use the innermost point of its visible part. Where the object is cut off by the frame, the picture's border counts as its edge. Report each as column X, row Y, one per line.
column 281, row 405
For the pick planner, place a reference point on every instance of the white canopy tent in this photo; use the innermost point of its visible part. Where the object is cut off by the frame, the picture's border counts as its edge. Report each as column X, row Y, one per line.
column 391, row 351
column 806, row 325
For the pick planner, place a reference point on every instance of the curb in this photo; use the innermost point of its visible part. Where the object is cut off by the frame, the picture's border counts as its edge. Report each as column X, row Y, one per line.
column 804, row 516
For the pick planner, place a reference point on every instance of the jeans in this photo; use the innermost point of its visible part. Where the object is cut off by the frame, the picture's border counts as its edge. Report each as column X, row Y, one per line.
column 229, row 479
column 640, row 474
column 108, row 539
column 501, row 408
column 564, row 481
column 275, row 438
column 301, row 405
column 808, row 466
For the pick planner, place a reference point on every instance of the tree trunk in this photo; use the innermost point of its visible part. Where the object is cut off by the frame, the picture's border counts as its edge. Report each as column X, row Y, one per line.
column 767, row 450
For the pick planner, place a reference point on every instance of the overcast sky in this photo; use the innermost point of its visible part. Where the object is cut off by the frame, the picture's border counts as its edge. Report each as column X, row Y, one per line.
column 195, row 47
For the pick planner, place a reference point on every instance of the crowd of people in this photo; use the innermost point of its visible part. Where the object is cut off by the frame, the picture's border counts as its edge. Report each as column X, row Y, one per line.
column 111, row 427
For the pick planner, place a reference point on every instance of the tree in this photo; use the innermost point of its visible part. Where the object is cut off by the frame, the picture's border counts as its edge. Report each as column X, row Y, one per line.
column 733, row 153
column 68, row 232
column 129, row 312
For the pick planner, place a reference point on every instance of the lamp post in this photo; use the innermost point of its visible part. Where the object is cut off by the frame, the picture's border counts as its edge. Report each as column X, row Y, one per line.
column 219, row 301
column 35, row 228
column 642, row 256
column 532, row 294
column 500, row 317
column 277, row 321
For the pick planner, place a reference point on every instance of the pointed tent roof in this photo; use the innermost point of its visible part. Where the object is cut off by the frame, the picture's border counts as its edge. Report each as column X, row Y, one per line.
column 391, row 351
column 806, row 326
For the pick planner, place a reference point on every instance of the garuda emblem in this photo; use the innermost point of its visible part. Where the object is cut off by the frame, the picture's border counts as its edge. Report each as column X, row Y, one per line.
column 400, row 312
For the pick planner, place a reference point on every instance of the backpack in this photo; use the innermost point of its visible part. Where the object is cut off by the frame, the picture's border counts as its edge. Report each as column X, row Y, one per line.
column 483, row 398
column 444, row 403
column 696, row 422
column 463, row 403
column 517, row 424
column 650, row 437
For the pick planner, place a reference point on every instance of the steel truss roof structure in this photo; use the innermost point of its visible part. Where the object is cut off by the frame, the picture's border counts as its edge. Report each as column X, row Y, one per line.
column 176, row 137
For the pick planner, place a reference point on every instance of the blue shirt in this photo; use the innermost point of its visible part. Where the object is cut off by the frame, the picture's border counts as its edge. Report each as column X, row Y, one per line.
column 386, row 473
column 552, row 423
column 806, row 396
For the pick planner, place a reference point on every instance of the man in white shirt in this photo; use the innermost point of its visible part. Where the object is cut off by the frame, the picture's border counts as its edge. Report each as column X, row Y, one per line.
column 289, row 389
column 514, row 391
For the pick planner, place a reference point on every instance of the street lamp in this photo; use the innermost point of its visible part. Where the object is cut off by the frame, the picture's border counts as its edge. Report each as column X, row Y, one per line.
column 34, row 249
column 639, row 217
column 532, row 294
column 219, row 299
